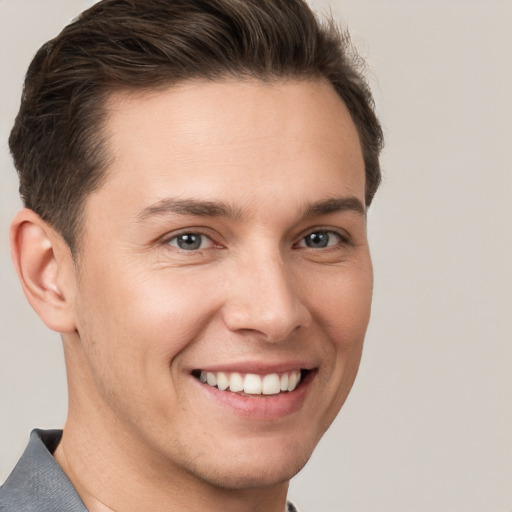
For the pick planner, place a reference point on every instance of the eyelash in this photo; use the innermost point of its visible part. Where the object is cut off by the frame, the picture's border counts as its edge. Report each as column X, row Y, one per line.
column 343, row 240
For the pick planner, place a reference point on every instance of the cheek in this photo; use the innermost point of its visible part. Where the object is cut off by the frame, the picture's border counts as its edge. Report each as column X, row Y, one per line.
column 343, row 312
column 146, row 319
column 343, row 305
column 132, row 333
column 171, row 310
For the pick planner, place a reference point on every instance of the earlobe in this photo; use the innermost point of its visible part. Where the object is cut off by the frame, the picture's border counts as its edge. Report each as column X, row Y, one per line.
column 43, row 263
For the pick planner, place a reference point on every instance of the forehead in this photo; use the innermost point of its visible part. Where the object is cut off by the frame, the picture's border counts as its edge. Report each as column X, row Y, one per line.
column 236, row 140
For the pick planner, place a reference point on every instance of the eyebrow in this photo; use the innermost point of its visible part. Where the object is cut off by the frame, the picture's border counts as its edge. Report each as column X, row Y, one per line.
column 194, row 207
column 334, row 205
column 200, row 208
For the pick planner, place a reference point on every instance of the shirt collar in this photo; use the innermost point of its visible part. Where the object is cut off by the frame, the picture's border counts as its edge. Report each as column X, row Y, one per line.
column 38, row 482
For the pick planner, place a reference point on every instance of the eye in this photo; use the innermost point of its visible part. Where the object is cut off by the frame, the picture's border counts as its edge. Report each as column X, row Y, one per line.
column 321, row 239
column 190, row 241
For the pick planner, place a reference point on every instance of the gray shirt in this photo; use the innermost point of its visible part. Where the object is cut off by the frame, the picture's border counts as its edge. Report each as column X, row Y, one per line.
column 38, row 484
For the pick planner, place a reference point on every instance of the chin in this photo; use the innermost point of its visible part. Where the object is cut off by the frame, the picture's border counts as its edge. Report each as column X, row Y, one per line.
column 260, row 468
column 245, row 478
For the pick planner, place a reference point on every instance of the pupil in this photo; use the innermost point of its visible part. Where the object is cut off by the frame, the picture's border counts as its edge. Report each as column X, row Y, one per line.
column 317, row 240
column 189, row 242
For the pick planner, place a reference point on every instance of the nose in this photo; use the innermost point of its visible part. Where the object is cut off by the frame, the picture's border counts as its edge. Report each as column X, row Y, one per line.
column 263, row 298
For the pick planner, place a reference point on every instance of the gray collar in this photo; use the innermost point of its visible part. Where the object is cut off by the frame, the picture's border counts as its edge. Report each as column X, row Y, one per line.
column 37, row 483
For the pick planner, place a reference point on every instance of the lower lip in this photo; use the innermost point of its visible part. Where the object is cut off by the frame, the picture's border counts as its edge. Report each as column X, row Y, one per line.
column 263, row 407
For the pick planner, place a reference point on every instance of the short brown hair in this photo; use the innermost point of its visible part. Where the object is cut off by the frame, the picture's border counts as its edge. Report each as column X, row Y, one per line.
column 56, row 140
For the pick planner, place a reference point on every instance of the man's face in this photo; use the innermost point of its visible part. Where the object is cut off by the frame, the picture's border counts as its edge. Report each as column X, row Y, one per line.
column 229, row 243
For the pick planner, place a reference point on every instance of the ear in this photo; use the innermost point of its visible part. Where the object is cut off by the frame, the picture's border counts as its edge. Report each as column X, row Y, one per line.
column 45, row 268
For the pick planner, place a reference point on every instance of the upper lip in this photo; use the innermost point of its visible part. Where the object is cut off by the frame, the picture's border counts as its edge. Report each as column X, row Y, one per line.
column 260, row 368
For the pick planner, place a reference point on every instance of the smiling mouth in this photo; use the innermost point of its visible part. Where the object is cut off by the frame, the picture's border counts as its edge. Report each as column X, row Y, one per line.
column 251, row 384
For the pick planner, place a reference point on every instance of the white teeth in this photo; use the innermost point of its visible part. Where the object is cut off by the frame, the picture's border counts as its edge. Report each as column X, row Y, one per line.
column 211, row 379
column 222, row 381
column 251, row 383
column 293, row 380
column 271, row 384
column 284, row 382
column 236, row 383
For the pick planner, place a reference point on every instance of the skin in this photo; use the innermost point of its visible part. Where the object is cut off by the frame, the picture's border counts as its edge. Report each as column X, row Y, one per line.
column 138, row 313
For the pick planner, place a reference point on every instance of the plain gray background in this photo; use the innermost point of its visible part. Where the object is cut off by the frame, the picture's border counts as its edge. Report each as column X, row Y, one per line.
column 428, row 426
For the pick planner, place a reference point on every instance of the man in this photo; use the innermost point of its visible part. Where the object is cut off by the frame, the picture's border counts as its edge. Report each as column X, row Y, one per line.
column 195, row 178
